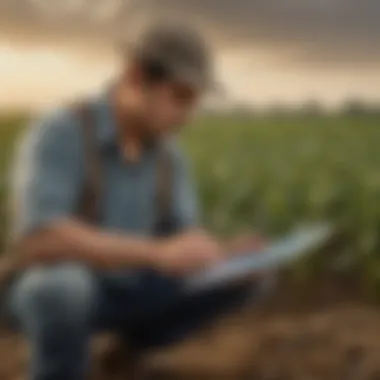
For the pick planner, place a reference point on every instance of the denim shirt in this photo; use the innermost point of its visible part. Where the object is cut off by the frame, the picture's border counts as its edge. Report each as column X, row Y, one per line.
column 48, row 175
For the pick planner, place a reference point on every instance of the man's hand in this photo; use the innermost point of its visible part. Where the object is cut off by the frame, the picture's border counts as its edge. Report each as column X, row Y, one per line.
column 246, row 243
column 187, row 253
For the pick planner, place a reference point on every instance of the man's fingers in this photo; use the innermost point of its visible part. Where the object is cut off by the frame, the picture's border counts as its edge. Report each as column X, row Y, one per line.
column 247, row 243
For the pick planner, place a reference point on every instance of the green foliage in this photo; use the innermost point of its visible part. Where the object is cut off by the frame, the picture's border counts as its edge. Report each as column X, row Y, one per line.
column 271, row 173
column 10, row 127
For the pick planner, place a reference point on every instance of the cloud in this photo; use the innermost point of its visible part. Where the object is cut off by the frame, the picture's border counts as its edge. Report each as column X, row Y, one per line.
column 340, row 32
column 305, row 32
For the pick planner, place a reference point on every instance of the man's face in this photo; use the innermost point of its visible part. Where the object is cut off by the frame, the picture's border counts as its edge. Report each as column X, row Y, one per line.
column 163, row 106
column 166, row 106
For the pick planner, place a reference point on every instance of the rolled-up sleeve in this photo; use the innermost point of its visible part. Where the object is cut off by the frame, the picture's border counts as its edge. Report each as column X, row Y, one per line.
column 46, row 175
column 186, row 202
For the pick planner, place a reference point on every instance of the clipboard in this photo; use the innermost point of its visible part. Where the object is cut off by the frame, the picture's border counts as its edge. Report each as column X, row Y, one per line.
column 286, row 250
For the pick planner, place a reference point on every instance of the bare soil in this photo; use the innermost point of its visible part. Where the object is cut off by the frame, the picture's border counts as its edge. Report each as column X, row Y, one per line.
column 323, row 337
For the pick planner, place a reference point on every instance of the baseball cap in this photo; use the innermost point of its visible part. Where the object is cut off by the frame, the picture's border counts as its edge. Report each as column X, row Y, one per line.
column 177, row 51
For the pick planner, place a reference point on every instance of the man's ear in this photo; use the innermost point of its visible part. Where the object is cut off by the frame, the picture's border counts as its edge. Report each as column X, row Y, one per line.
column 133, row 75
column 129, row 94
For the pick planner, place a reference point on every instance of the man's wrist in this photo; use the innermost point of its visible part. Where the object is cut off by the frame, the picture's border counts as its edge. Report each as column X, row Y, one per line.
column 150, row 253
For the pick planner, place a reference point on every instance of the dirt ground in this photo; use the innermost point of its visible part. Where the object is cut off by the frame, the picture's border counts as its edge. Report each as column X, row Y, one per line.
column 329, row 340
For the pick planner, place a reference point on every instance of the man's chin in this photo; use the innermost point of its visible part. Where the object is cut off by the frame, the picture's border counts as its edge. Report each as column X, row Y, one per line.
column 151, row 137
column 154, row 134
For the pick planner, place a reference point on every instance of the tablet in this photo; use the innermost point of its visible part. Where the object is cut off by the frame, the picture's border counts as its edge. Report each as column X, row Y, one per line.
column 282, row 252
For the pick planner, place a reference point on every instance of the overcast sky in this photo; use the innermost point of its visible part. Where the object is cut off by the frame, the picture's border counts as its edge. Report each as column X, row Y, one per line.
column 268, row 50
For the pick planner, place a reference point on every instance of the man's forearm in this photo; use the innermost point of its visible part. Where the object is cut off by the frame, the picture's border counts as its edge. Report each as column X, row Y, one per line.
column 75, row 241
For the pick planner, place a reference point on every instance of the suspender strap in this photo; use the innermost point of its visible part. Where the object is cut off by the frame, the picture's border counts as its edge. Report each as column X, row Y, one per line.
column 164, row 223
column 89, row 204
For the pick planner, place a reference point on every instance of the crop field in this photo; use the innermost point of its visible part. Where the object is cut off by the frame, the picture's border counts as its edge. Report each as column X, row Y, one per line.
column 270, row 173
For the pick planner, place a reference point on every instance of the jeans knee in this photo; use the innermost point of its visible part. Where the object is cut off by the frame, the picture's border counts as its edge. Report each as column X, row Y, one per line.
column 60, row 293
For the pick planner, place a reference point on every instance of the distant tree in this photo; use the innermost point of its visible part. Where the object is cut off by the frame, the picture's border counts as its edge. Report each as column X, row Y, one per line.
column 356, row 107
column 280, row 110
column 312, row 108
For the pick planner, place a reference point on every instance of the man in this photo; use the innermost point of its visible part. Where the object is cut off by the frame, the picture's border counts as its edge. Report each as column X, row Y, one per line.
column 117, row 275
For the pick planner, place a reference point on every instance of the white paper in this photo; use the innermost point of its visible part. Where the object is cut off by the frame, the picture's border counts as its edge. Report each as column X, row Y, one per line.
column 276, row 255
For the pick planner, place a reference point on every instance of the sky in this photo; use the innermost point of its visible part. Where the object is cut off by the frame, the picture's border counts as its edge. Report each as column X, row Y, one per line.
column 268, row 51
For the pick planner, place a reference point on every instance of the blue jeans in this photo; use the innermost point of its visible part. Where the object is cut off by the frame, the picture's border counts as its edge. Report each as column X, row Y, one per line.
column 59, row 307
